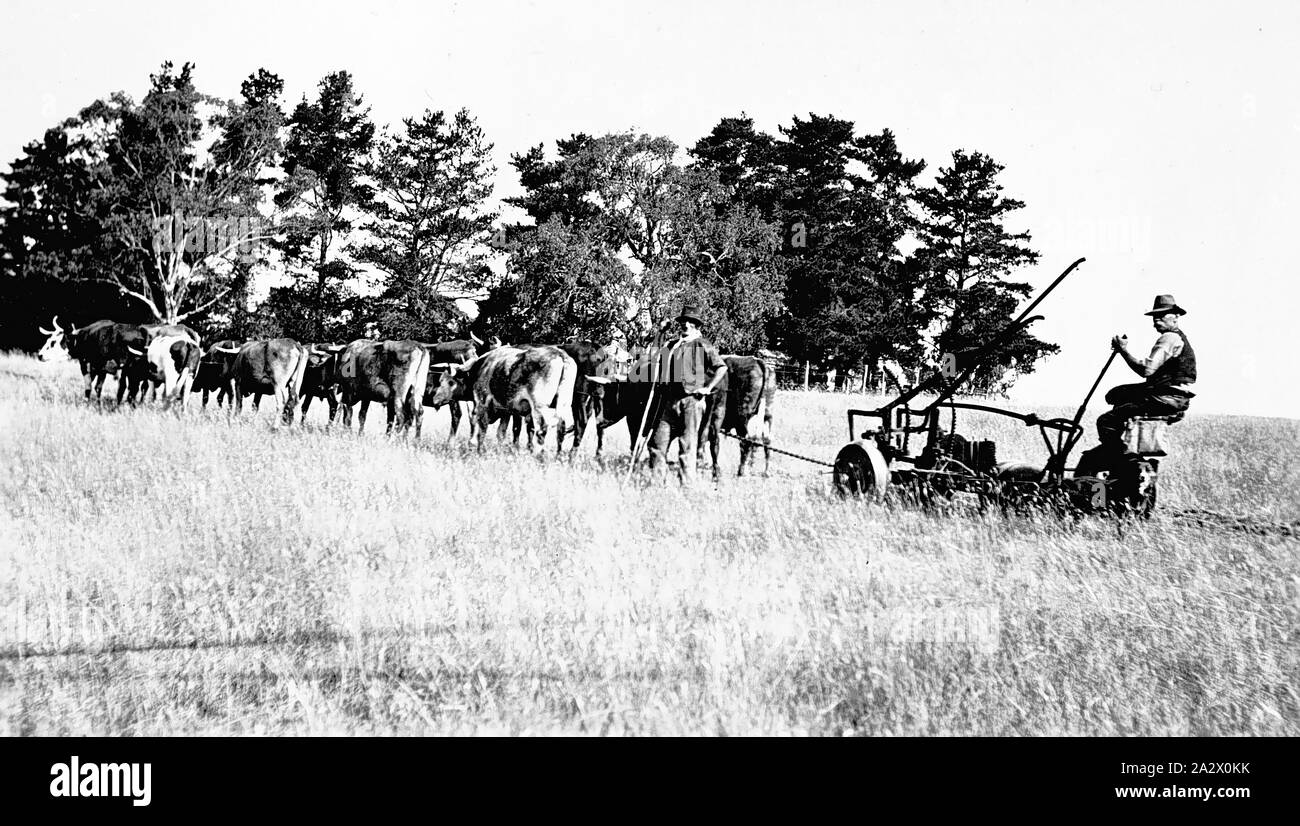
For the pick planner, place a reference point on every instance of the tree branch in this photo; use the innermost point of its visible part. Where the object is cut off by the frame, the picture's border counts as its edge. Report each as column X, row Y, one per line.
column 222, row 294
column 147, row 301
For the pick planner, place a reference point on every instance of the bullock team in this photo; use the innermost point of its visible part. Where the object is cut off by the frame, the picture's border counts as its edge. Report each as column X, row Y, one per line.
column 567, row 387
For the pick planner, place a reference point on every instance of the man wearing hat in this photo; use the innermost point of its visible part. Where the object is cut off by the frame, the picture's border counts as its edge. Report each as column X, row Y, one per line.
column 690, row 371
column 1167, row 374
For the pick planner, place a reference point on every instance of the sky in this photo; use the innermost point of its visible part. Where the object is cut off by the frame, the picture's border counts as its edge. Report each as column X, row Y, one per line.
column 1157, row 140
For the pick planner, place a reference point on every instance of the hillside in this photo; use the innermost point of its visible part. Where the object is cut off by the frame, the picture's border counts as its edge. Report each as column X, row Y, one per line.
column 164, row 574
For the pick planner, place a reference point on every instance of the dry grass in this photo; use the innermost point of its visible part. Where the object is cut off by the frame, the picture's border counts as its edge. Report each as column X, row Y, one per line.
column 164, row 574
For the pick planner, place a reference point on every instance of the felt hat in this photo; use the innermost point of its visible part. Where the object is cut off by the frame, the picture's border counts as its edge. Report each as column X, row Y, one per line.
column 1166, row 304
column 690, row 312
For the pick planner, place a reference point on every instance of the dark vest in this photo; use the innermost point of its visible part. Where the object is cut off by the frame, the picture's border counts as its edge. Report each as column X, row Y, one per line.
column 1178, row 371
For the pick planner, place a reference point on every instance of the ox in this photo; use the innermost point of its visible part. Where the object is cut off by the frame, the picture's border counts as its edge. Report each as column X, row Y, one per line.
column 216, row 373
column 750, row 383
column 138, row 372
column 593, row 362
column 171, row 361
column 441, row 356
column 608, row 401
column 153, row 331
column 321, row 379
column 273, row 367
column 529, row 381
column 100, row 348
column 481, row 347
column 890, row 373
column 393, row 372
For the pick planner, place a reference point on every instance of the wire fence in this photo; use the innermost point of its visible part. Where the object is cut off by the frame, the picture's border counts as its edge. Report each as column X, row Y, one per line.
column 792, row 376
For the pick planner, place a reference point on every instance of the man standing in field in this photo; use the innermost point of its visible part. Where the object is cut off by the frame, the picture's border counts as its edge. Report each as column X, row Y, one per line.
column 690, row 370
column 1167, row 373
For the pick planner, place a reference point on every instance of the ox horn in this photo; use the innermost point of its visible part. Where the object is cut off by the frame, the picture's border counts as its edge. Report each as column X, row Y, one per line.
column 474, row 338
column 226, row 349
column 444, row 365
column 135, row 351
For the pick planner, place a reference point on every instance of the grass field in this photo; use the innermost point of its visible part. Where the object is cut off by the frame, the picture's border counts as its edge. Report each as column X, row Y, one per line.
column 164, row 574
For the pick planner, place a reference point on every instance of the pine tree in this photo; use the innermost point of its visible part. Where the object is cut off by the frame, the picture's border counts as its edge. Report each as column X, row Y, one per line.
column 328, row 143
column 966, row 256
column 428, row 225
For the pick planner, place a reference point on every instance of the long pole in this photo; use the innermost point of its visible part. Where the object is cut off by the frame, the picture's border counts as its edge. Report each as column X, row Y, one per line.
column 650, row 399
column 1078, row 415
column 977, row 359
column 641, row 436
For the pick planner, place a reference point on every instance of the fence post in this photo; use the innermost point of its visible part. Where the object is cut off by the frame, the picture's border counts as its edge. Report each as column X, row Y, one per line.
column 807, row 367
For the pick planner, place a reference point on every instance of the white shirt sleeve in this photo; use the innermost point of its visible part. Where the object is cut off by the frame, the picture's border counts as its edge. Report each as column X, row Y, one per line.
column 1166, row 347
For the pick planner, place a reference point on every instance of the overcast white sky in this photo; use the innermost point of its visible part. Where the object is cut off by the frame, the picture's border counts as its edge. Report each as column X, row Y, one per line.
column 1159, row 140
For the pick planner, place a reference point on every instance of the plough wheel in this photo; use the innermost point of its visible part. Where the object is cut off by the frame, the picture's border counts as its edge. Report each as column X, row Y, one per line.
column 860, row 470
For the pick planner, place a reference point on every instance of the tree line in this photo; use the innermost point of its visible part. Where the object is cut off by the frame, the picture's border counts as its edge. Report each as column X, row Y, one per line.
column 817, row 241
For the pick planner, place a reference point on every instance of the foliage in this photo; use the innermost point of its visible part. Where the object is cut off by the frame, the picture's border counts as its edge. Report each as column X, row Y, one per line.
column 818, row 241
column 52, row 252
column 745, row 160
column 146, row 198
column 429, row 223
column 561, row 285
column 966, row 255
column 621, row 235
column 324, row 158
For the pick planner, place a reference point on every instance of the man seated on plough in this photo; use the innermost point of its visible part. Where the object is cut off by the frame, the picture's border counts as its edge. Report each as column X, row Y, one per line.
column 1167, row 373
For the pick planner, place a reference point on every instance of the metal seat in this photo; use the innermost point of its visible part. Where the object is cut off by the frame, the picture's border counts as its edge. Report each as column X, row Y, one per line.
column 1145, row 435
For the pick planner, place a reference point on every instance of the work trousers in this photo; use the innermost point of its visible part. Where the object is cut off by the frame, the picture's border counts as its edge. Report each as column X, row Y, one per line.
column 1133, row 400
column 680, row 419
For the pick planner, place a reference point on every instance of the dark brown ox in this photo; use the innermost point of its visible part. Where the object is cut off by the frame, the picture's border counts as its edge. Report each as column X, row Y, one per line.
column 441, row 356
column 321, row 379
column 751, row 385
column 609, row 401
column 593, row 362
column 530, row 382
column 273, row 367
column 216, row 372
column 100, row 348
column 392, row 372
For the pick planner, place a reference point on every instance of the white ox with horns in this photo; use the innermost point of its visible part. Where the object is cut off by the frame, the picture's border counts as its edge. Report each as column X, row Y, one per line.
column 171, row 361
column 55, row 347
column 535, row 383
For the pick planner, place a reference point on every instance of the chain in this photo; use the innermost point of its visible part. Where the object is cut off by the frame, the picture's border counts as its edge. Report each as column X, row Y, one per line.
column 778, row 450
